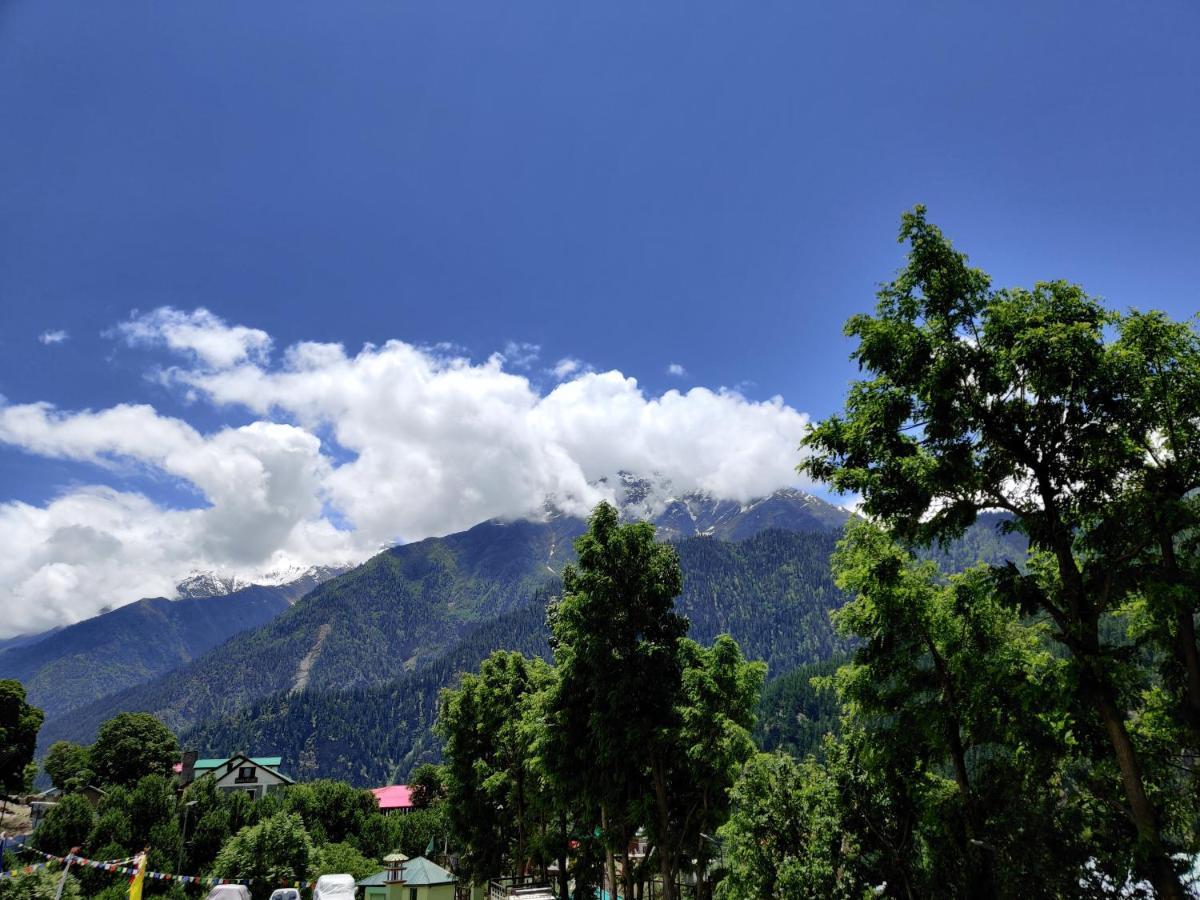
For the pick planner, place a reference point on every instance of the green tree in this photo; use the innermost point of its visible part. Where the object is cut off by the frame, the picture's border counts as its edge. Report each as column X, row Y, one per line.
column 19, row 726
column 1159, row 362
column 615, row 637
column 276, row 850
column 130, row 746
column 428, row 785
column 981, row 399
column 719, row 693
column 332, row 811
column 949, row 686
column 68, row 765
column 342, row 859
column 488, row 778
column 786, row 838
column 68, row 824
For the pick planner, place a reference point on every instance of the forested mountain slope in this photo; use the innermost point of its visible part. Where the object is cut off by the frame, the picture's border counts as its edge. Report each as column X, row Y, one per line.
column 773, row 592
column 72, row 666
column 412, row 602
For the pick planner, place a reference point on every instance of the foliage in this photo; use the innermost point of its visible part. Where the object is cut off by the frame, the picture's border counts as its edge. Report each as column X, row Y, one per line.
column 19, row 726
column 719, row 692
column 131, row 745
column 428, row 785
column 785, row 838
column 488, row 776
column 67, row 824
column 68, row 765
column 277, row 849
column 978, row 399
column 615, row 636
column 337, row 859
column 41, row 884
column 771, row 592
column 797, row 710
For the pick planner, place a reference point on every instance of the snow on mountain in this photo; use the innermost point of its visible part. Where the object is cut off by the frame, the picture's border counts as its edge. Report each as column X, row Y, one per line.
column 212, row 584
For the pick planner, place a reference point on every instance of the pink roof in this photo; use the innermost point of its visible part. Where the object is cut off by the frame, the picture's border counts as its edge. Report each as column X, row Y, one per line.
column 394, row 796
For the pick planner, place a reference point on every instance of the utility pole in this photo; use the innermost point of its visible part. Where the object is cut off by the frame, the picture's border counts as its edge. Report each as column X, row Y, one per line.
column 183, row 837
column 66, row 869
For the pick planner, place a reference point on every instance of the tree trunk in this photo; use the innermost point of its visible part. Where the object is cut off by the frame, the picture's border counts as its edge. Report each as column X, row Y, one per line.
column 609, row 860
column 563, row 881
column 1161, row 872
column 665, row 855
column 1185, row 635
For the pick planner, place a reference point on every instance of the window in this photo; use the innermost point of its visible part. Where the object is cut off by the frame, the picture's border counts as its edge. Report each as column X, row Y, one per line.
column 246, row 773
column 412, row 894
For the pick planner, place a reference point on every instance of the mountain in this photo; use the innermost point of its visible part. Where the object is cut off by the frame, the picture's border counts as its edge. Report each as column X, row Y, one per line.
column 411, row 603
column 346, row 678
column 700, row 514
column 772, row 592
column 78, row 664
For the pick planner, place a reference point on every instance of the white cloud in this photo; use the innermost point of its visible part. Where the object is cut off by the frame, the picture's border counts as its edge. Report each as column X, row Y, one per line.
column 677, row 370
column 57, row 336
column 568, row 366
column 521, row 355
column 427, row 442
column 199, row 333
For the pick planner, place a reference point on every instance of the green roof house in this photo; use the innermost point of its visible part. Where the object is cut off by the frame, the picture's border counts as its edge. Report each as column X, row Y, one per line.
column 257, row 775
column 374, row 887
column 417, row 879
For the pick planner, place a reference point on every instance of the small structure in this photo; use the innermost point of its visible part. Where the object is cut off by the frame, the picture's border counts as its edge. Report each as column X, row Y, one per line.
column 41, row 804
column 374, row 887
column 417, row 879
column 395, row 798
column 257, row 776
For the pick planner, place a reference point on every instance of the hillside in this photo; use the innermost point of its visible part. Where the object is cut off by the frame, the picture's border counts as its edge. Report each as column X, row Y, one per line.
column 72, row 666
column 773, row 592
column 411, row 603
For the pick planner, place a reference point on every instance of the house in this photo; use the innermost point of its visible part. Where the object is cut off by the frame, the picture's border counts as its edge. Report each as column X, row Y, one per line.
column 41, row 804
column 417, row 879
column 395, row 798
column 374, row 887
column 257, row 776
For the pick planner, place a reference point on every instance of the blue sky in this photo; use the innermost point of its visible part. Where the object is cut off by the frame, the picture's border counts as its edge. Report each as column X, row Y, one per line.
column 711, row 185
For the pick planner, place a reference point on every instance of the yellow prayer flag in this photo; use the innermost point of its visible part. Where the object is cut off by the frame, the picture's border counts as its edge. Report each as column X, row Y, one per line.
column 135, row 883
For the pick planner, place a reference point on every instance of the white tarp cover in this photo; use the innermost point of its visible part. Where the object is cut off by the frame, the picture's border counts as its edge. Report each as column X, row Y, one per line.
column 229, row 892
column 334, row 887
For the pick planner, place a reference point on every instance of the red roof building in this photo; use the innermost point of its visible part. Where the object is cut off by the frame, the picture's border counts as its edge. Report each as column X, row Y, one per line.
column 393, row 798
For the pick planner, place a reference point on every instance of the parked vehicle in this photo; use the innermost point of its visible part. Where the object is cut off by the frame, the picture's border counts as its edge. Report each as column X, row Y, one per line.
column 334, row 887
column 229, row 892
column 285, row 894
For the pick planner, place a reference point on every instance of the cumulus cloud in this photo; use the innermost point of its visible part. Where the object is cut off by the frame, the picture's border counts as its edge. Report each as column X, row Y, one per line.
column 205, row 337
column 418, row 441
column 677, row 370
column 57, row 336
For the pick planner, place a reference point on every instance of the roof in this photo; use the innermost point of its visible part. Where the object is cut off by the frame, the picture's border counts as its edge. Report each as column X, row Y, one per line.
column 272, row 762
column 263, row 762
column 394, row 796
column 419, row 870
column 377, row 880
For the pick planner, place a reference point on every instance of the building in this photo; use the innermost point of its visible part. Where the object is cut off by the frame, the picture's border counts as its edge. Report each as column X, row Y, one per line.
column 257, row 776
column 374, row 887
column 395, row 798
column 417, row 879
